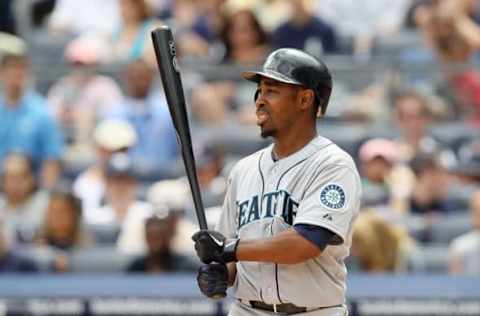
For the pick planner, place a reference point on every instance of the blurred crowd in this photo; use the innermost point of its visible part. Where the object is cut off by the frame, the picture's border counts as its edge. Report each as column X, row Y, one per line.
column 91, row 178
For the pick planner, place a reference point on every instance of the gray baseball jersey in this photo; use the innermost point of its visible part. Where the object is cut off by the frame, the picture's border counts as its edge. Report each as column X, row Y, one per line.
column 317, row 185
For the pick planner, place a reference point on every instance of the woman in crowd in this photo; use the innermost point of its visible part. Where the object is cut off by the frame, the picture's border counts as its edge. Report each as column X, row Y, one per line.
column 244, row 38
column 379, row 246
column 22, row 204
column 62, row 232
column 132, row 39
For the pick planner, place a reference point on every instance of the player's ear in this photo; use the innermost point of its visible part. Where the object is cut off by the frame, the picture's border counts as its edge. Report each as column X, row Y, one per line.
column 307, row 99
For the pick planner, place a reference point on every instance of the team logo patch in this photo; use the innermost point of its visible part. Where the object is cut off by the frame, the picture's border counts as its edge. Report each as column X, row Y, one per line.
column 332, row 196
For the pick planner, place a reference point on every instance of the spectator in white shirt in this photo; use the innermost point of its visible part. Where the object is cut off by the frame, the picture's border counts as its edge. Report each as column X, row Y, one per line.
column 465, row 249
column 86, row 16
column 22, row 205
column 110, row 136
column 122, row 209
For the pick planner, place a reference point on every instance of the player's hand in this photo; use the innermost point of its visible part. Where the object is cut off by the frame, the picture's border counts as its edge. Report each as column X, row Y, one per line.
column 212, row 280
column 212, row 246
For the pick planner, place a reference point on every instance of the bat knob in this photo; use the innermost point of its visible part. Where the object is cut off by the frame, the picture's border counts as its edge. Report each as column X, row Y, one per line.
column 219, row 296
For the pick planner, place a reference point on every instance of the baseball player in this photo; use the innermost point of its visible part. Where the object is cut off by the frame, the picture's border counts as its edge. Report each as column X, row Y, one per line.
column 286, row 224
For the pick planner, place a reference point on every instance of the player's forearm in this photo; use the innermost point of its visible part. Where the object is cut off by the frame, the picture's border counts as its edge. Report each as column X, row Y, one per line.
column 288, row 247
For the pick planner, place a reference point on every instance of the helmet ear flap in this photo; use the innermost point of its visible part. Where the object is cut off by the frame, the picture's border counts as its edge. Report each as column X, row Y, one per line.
column 323, row 105
column 255, row 97
column 323, row 97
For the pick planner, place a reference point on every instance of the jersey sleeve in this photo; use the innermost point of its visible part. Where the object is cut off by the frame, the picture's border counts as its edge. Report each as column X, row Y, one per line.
column 228, row 220
column 331, row 201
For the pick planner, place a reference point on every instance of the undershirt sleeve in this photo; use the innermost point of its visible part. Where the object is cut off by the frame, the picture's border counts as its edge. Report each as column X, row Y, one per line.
column 318, row 235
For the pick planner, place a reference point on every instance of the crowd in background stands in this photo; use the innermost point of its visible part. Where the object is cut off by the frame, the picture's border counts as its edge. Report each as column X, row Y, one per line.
column 79, row 162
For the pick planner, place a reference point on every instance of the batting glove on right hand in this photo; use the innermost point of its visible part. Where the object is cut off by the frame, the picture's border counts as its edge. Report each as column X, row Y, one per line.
column 212, row 246
column 212, row 280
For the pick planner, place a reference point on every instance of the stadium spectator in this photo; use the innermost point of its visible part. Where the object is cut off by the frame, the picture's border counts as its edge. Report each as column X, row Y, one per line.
column 465, row 249
column 221, row 102
column 11, row 44
column 413, row 117
column 468, row 167
column 385, row 181
column 40, row 11
column 245, row 40
column 7, row 18
column 110, row 136
column 305, row 31
column 82, row 98
column 379, row 246
column 25, row 124
column 449, row 27
column 11, row 261
column 209, row 161
column 197, row 27
column 175, row 195
column 63, row 224
column 122, row 210
column 62, row 231
column 466, row 86
column 72, row 17
column 212, row 103
column 431, row 188
column 22, row 204
column 364, row 21
column 132, row 39
column 159, row 233
column 146, row 109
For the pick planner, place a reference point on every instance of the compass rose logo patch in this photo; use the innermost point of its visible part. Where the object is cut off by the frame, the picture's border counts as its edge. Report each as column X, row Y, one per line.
column 332, row 196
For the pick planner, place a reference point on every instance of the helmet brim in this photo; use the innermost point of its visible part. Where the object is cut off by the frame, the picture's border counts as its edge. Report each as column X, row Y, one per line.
column 256, row 76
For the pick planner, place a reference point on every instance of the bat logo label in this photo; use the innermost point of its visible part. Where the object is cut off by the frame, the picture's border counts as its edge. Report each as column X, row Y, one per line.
column 171, row 44
column 173, row 52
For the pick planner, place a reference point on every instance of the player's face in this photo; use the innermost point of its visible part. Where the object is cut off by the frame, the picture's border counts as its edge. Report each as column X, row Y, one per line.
column 275, row 108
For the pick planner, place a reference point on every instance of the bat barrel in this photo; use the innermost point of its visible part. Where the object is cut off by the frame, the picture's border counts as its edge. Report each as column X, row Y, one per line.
column 164, row 47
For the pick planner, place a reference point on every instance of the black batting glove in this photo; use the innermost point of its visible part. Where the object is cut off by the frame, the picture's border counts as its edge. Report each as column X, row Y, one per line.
column 212, row 280
column 212, row 246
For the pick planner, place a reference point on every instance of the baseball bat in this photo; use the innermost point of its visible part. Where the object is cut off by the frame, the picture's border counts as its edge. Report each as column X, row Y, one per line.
column 164, row 46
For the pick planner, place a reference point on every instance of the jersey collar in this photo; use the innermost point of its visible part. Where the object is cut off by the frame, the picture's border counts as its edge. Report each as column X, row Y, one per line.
column 287, row 162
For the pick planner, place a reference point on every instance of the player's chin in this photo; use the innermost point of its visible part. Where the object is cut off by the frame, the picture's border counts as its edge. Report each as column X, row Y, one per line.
column 267, row 132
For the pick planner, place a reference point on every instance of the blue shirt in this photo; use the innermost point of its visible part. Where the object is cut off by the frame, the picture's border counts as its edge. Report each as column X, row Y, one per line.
column 156, row 145
column 290, row 35
column 28, row 128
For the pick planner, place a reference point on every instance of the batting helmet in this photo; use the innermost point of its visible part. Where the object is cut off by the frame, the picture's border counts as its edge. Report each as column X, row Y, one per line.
column 296, row 67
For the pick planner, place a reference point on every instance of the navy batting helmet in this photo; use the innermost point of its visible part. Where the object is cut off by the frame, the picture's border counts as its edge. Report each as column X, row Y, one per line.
column 296, row 67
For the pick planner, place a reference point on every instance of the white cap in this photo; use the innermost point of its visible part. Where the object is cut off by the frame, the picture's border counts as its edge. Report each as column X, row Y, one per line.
column 11, row 44
column 174, row 193
column 114, row 134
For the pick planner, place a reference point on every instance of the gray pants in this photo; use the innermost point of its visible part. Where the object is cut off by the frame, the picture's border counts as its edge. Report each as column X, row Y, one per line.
column 240, row 309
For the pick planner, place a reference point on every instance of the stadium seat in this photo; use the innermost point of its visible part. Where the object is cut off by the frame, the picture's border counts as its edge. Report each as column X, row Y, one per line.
column 447, row 227
column 99, row 259
column 431, row 258
column 104, row 234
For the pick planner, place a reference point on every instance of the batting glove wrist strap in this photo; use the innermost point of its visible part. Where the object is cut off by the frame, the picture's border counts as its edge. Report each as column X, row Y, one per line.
column 230, row 250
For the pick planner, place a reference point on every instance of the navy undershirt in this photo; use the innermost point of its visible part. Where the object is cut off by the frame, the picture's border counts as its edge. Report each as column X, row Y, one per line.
column 320, row 236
